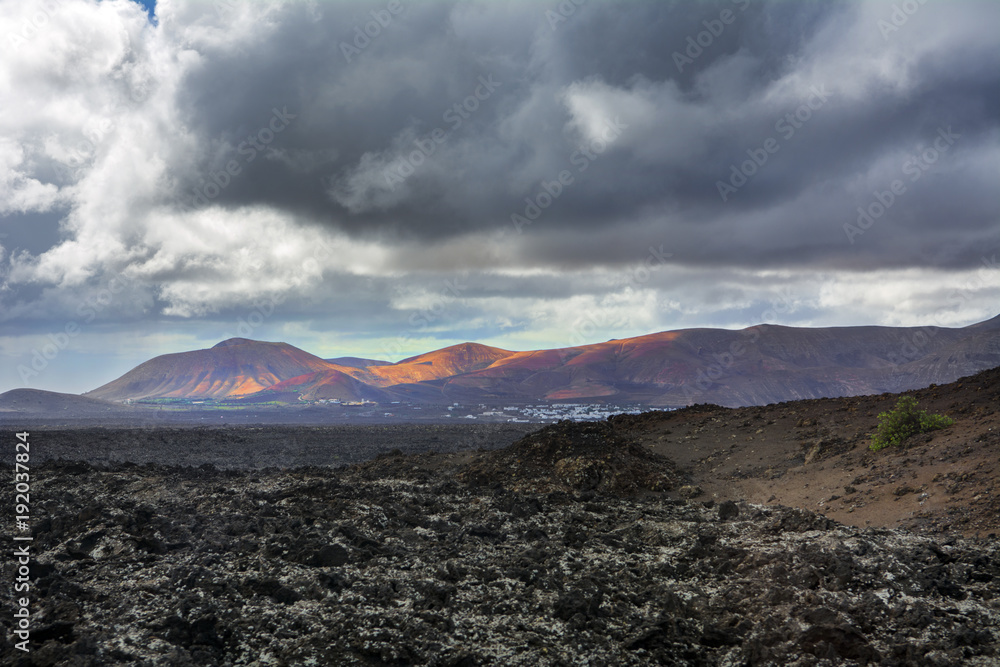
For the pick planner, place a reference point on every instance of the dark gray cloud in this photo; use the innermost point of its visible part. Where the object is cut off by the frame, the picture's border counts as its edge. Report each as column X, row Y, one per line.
column 358, row 120
column 237, row 153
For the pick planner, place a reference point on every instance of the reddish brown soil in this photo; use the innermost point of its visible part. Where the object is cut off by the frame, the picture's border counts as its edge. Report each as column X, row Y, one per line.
column 814, row 455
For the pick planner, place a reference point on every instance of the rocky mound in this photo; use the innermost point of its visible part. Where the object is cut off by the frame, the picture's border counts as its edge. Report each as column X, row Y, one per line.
column 170, row 566
column 814, row 454
column 573, row 456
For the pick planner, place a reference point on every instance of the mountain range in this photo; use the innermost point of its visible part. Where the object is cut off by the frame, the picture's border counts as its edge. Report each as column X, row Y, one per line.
column 753, row 366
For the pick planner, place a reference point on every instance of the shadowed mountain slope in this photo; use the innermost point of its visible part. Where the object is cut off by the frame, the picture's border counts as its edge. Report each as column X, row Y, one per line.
column 753, row 366
column 321, row 385
column 40, row 403
column 235, row 367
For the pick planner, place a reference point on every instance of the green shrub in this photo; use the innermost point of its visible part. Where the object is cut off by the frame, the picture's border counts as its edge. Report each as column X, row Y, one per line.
column 905, row 420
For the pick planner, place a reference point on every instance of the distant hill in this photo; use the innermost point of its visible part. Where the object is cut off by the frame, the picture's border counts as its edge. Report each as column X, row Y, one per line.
column 439, row 364
column 321, row 385
column 357, row 362
column 235, row 367
column 51, row 404
column 407, row 379
column 753, row 366
column 991, row 324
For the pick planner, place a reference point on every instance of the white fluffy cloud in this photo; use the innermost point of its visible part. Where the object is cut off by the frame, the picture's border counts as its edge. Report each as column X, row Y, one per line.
column 19, row 192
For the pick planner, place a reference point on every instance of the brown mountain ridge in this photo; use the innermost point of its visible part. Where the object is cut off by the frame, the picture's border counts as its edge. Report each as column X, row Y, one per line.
column 753, row 366
column 233, row 368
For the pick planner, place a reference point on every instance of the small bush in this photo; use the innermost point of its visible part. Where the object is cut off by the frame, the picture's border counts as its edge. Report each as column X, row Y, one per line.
column 905, row 420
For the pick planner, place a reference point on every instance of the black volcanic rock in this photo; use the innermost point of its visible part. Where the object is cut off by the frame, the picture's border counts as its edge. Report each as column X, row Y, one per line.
column 574, row 456
column 315, row 566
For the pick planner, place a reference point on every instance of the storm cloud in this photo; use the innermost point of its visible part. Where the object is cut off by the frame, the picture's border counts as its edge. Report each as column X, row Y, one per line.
column 393, row 176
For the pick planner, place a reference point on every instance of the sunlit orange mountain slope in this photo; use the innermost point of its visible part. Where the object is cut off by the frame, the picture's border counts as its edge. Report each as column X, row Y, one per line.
column 236, row 367
column 752, row 366
column 444, row 363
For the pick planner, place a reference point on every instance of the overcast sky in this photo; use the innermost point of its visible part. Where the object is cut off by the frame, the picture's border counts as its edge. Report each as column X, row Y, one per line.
column 385, row 178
